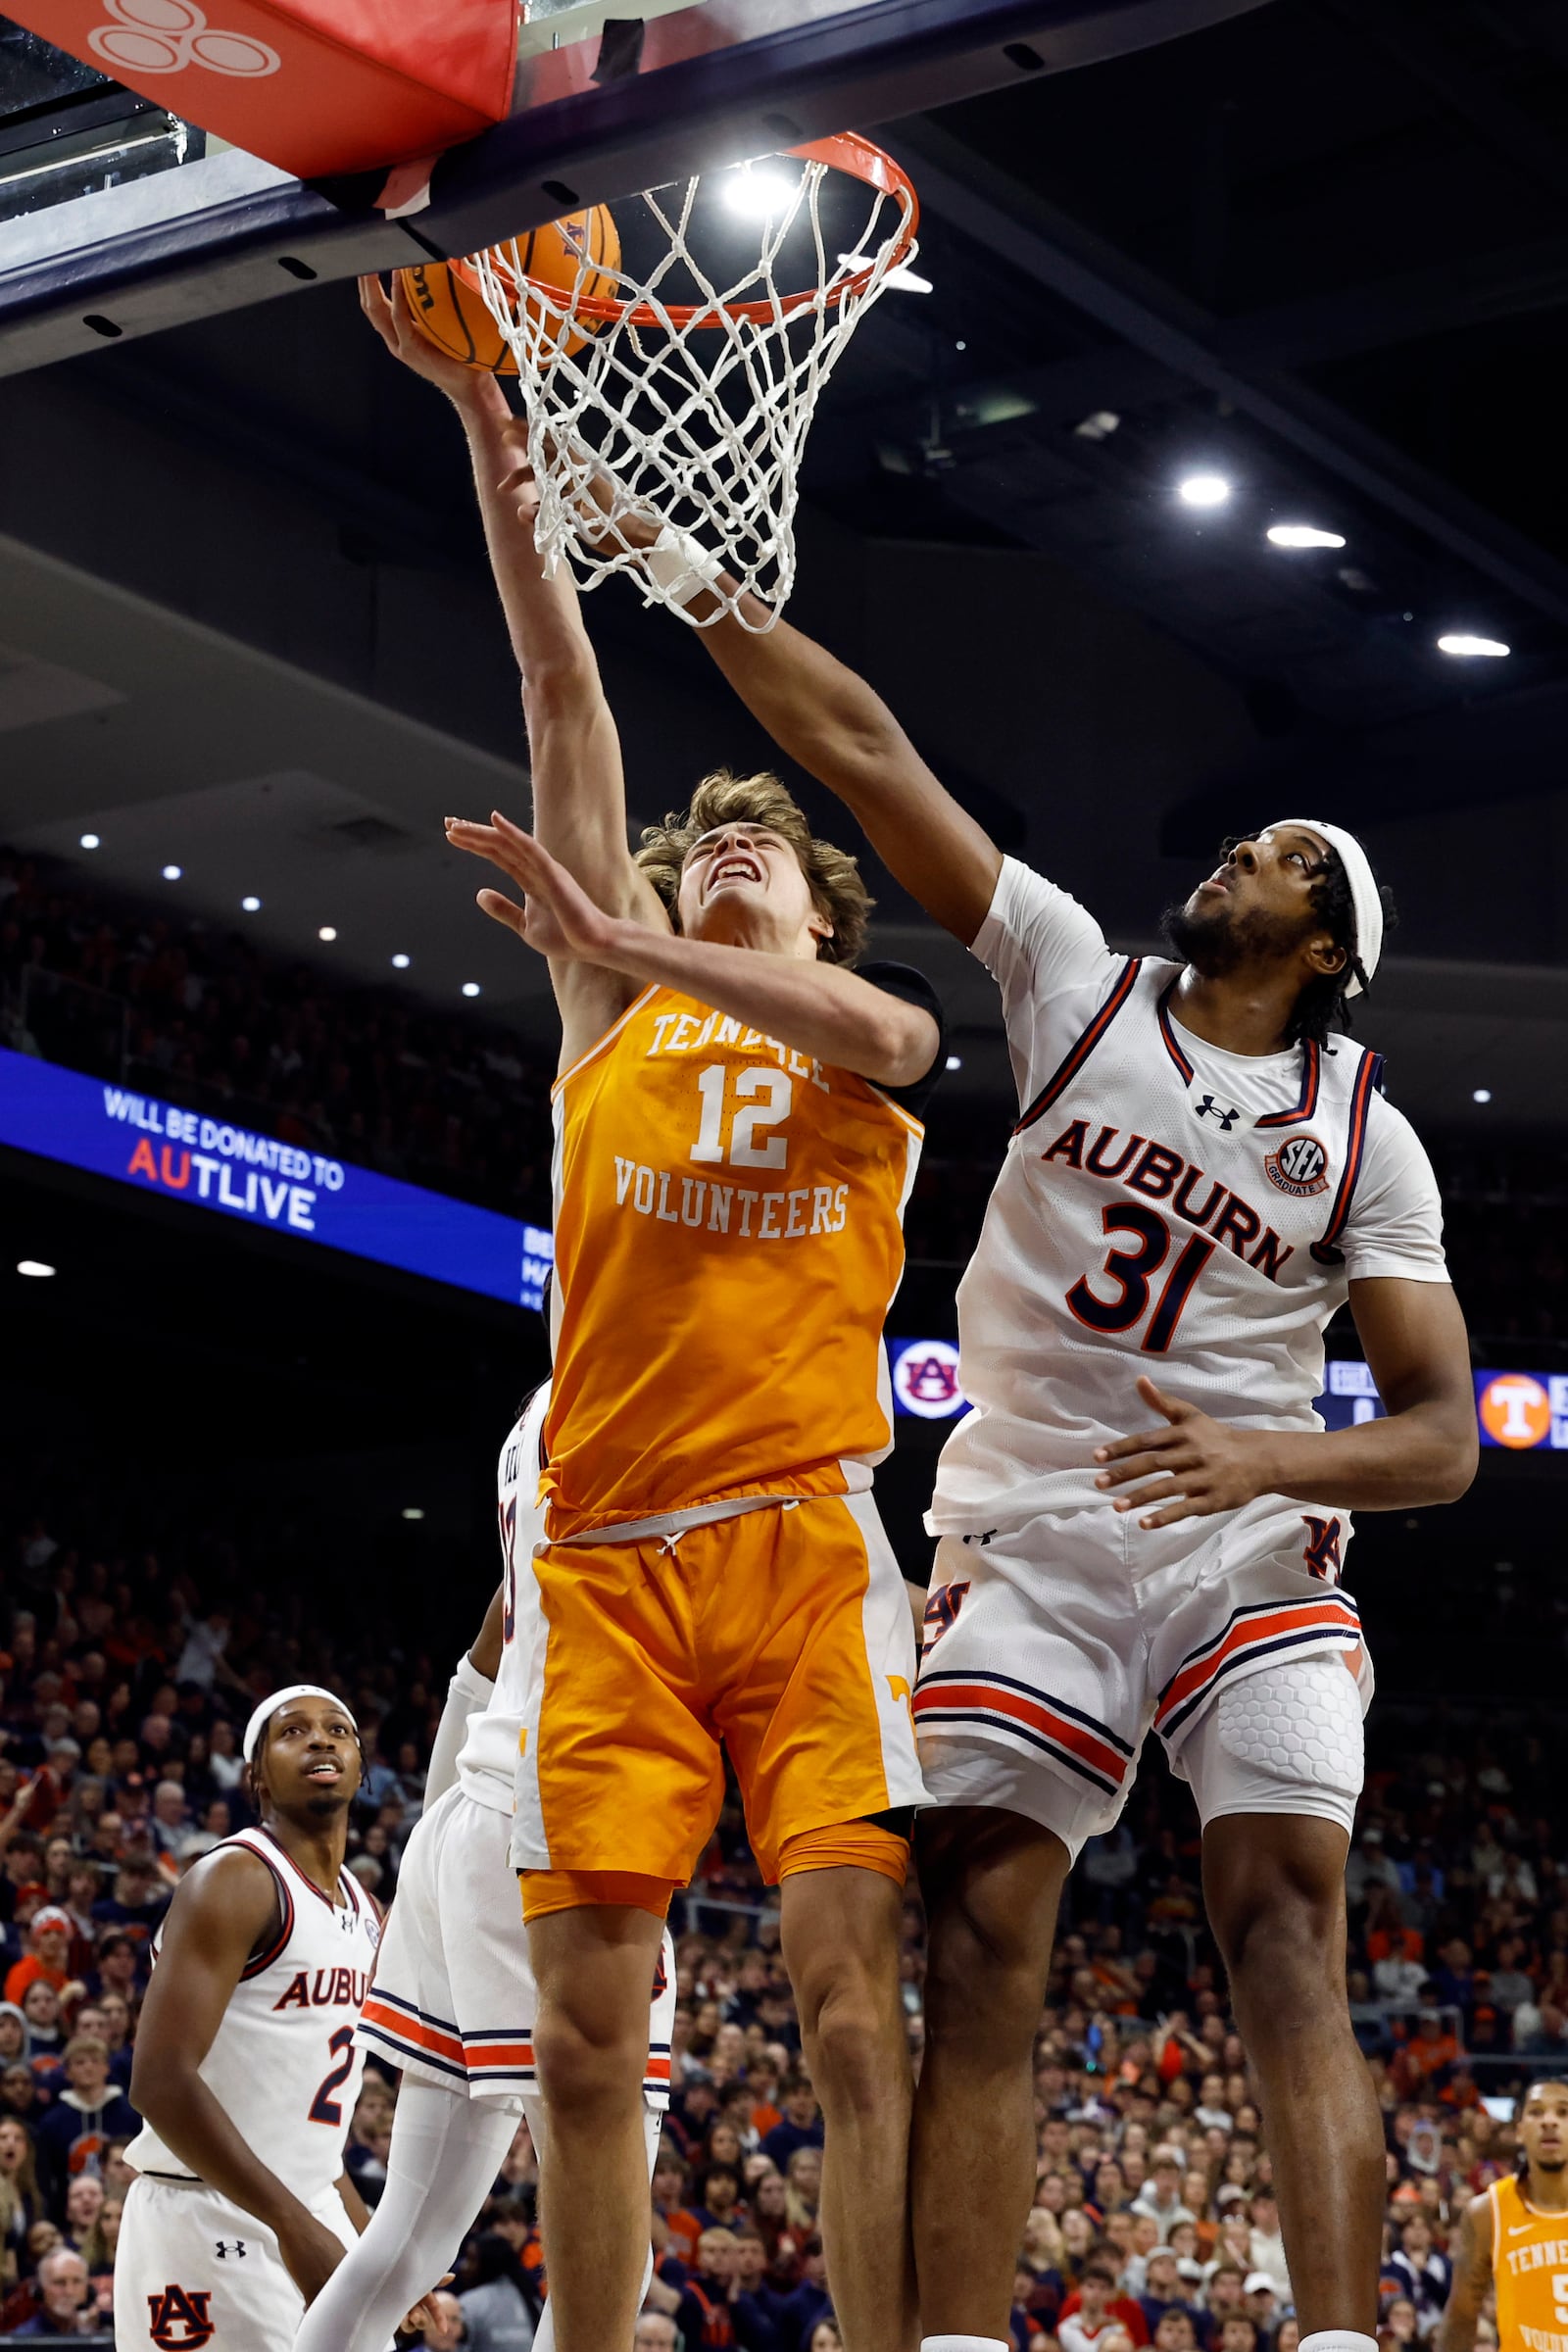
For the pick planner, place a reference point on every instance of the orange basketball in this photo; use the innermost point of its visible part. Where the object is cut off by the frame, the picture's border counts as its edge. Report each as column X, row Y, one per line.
column 453, row 313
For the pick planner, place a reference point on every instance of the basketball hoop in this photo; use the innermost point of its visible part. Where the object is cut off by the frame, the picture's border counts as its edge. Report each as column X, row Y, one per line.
column 689, row 398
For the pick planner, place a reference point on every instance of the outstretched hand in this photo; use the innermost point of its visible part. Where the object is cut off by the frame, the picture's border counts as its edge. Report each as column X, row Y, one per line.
column 557, row 916
column 472, row 389
column 1197, row 1466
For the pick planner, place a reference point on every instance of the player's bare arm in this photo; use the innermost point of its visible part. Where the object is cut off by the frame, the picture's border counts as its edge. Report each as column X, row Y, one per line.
column 831, row 723
column 1472, row 2278
column 221, row 1914
column 1424, row 1452
column 818, row 1008
column 575, row 751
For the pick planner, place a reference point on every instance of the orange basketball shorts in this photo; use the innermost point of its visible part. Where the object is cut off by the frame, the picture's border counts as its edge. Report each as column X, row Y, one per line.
column 785, row 1634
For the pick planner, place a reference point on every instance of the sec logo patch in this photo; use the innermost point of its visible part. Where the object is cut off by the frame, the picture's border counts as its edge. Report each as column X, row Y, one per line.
column 1299, row 1167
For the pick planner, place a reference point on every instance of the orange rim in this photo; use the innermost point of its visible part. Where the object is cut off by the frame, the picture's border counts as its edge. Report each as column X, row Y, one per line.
column 847, row 152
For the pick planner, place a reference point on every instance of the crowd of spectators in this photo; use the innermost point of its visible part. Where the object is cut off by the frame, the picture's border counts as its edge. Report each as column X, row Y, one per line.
column 203, row 1018
column 126, row 1673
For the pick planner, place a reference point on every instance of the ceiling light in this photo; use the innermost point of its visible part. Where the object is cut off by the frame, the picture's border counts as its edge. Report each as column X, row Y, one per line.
column 1302, row 534
column 412, row 1510
column 1472, row 648
column 757, row 195
column 33, row 1266
column 954, row 1062
column 401, row 963
column 1203, row 490
column 90, row 840
column 470, row 988
column 904, row 281
column 1483, row 1094
column 960, row 346
column 171, row 873
column 326, row 932
column 251, row 906
column 1098, row 426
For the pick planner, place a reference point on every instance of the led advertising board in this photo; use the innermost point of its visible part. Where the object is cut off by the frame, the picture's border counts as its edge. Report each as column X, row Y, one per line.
column 190, row 1157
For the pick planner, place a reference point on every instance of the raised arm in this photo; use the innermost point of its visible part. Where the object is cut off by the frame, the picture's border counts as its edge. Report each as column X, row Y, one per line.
column 579, row 795
column 219, row 1916
column 1472, row 2278
column 817, row 1008
column 832, row 725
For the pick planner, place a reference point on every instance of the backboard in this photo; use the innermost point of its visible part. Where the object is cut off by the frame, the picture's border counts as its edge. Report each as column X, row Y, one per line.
column 119, row 218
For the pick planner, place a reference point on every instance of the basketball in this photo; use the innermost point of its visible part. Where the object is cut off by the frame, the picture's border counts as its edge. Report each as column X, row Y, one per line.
column 452, row 312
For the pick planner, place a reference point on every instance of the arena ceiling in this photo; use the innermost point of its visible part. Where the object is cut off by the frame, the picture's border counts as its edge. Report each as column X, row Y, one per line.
column 1321, row 249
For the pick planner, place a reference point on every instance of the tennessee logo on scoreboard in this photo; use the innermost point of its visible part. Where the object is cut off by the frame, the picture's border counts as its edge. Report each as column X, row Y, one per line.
column 1298, row 1166
column 1515, row 1410
column 1321, row 1550
column 179, row 2320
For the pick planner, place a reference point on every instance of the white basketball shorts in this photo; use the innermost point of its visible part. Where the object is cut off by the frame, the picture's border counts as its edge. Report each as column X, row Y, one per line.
column 1050, row 1648
column 452, row 1998
column 193, row 2269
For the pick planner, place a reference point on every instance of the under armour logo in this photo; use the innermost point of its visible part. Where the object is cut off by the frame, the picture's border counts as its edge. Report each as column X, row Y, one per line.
column 239, row 2249
column 179, row 2320
column 165, row 37
column 1209, row 1107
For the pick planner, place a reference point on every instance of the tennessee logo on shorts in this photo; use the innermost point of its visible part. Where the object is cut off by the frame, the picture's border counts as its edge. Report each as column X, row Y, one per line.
column 177, row 2319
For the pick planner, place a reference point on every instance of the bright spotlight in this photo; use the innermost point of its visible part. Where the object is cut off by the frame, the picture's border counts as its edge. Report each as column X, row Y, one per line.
column 1483, row 1094
column 757, row 195
column 412, row 1510
column 251, row 906
column 954, row 1062
column 327, row 932
column 401, row 963
column 90, row 840
column 172, row 873
column 1302, row 534
column 33, row 1266
column 470, row 988
column 1203, row 490
column 1472, row 649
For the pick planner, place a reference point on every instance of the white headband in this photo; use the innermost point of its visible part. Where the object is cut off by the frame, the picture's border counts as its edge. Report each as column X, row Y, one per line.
column 281, row 1698
column 1366, row 901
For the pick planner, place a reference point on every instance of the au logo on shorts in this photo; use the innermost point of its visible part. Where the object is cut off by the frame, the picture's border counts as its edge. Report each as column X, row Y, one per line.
column 178, row 2319
column 1299, row 1167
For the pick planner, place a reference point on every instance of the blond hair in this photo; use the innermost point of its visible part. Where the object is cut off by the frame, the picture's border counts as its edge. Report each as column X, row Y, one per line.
column 832, row 875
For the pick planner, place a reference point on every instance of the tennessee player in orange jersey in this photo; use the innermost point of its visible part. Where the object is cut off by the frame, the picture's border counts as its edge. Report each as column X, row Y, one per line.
column 737, row 1130
column 1514, row 2238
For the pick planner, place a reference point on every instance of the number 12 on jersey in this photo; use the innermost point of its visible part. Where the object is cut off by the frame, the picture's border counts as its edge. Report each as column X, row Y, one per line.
column 1132, row 1271
column 778, row 1091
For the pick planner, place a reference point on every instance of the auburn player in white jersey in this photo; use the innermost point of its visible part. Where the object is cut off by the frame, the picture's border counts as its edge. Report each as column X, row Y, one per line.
column 453, row 2002
column 246, row 2069
column 1143, row 1520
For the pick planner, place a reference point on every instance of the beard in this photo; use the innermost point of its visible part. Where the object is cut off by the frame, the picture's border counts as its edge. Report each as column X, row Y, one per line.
column 1548, row 2164
column 1217, row 940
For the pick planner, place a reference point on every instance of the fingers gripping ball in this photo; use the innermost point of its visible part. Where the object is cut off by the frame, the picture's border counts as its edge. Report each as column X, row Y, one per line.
column 578, row 256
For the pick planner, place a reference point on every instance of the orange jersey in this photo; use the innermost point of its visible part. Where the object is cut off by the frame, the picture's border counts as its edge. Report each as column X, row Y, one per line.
column 1530, row 2269
column 728, row 1241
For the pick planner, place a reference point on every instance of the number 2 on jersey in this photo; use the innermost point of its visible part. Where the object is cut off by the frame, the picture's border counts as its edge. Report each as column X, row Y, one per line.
column 777, row 1089
column 1131, row 1270
column 324, row 2109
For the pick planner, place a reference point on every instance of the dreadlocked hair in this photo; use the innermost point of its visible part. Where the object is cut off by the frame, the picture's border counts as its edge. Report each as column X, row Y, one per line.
column 832, row 875
column 1321, row 1006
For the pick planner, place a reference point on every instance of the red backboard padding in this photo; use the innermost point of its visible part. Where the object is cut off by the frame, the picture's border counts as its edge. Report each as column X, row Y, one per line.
column 313, row 86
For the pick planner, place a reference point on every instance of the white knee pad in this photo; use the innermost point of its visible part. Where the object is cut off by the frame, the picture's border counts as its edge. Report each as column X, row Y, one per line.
column 1285, row 1740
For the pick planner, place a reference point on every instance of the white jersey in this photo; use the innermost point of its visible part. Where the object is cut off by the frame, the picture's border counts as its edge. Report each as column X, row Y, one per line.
column 487, row 1761
column 1166, row 1208
column 284, row 2066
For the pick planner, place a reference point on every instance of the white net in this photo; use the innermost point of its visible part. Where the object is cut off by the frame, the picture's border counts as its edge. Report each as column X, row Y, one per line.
column 679, row 386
